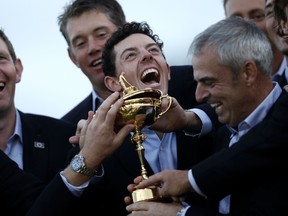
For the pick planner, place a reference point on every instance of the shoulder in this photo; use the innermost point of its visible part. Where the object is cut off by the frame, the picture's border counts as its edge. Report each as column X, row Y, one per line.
column 43, row 121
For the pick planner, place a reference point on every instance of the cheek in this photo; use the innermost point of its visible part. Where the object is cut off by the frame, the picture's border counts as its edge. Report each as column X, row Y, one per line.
column 80, row 54
column 269, row 24
column 81, row 58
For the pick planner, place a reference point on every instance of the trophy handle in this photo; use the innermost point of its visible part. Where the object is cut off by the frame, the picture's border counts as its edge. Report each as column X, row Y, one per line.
column 168, row 107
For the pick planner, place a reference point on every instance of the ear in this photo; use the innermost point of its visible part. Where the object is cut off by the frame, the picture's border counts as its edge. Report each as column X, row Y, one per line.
column 112, row 83
column 72, row 57
column 168, row 67
column 19, row 70
column 249, row 72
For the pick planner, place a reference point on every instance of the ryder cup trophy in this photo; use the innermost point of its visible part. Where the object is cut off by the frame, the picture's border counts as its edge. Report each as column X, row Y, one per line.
column 141, row 108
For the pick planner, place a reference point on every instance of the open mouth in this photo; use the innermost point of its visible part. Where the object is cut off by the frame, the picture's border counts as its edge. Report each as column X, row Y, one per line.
column 2, row 85
column 96, row 63
column 150, row 76
column 215, row 105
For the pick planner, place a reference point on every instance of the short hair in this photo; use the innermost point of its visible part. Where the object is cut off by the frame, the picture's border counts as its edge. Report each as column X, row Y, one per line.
column 108, row 55
column 77, row 7
column 224, row 3
column 235, row 41
column 280, row 15
column 9, row 45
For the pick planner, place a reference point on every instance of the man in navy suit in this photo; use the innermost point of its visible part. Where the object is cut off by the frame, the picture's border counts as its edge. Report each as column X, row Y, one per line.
column 242, row 176
column 38, row 144
column 86, row 25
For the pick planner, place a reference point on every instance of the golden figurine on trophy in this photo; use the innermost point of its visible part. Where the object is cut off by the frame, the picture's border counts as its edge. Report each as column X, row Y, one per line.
column 141, row 108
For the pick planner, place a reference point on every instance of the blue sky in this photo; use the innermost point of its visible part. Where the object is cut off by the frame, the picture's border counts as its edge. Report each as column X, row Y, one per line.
column 51, row 84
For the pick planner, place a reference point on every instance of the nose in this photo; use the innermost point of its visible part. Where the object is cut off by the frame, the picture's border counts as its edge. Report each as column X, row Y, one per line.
column 147, row 56
column 95, row 46
column 201, row 93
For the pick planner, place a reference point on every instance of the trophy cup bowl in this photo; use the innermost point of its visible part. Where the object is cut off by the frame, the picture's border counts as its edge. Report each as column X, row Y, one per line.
column 141, row 108
column 141, row 105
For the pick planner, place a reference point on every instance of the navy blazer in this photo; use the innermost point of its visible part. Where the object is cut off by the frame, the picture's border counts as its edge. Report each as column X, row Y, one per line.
column 254, row 164
column 18, row 189
column 45, row 149
column 45, row 144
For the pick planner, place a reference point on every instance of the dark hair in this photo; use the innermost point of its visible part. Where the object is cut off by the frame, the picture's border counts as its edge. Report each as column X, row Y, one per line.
column 108, row 55
column 280, row 15
column 77, row 7
column 9, row 45
column 224, row 3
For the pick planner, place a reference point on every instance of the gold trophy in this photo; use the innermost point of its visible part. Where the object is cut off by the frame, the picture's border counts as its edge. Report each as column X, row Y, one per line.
column 141, row 108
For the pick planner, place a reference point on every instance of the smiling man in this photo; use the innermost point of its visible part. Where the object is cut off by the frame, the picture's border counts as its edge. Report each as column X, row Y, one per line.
column 140, row 57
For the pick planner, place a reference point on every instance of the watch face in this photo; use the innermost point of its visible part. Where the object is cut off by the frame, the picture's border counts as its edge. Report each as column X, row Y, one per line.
column 77, row 163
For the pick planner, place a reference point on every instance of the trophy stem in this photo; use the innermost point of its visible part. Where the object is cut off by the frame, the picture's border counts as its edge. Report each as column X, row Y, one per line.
column 143, row 107
column 138, row 138
column 149, row 193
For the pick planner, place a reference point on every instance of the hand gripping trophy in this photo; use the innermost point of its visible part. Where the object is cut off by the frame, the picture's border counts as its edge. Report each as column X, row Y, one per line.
column 141, row 108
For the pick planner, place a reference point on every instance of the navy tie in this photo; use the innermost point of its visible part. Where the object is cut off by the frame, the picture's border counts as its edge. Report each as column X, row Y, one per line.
column 97, row 103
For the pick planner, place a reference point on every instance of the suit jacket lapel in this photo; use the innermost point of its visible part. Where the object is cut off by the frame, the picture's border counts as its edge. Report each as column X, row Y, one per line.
column 35, row 147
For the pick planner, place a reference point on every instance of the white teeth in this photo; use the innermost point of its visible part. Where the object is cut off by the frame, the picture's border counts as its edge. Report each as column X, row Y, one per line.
column 215, row 105
column 152, row 70
column 97, row 62
column 2, row 85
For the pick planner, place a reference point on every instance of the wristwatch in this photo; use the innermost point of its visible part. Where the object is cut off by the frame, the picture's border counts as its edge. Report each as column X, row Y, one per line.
column 78, row 165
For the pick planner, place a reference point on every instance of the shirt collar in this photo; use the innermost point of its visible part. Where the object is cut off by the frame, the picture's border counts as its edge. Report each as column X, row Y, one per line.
column 259, row 113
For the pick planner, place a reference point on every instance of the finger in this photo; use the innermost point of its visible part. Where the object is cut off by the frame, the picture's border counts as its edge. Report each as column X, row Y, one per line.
column 152, row 180
column 80, row 125
column 138, row 206
column 131, row 187
column 81, row 130
column 127, row 200
column 87, row 122
column 74, row 140
column 138, row 179
column 106, row 105
column 123, row 133
column 85, row 126
column 113, row 111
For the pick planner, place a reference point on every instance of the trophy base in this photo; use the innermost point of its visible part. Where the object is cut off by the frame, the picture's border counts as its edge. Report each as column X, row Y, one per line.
column 147, row 194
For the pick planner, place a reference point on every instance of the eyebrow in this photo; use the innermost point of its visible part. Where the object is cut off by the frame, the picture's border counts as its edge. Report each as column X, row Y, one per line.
column 99, row 28
column 268, row 5
column 249, row 12
column 135, row 48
